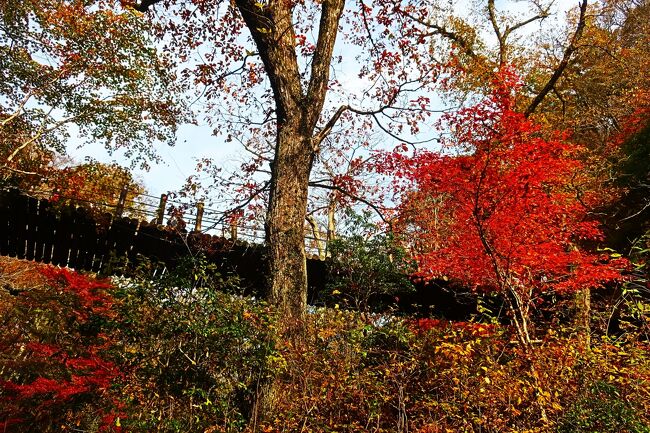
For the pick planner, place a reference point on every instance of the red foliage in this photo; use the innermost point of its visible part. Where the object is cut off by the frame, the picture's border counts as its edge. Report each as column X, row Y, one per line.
column 637, row 120
column 496, row 207
column 469, row 328
column 90, row 293
column 62, row 369
column 502, row 210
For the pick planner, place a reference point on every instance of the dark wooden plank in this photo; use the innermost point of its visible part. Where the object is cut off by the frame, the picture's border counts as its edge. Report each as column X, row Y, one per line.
column 104, row 222
column 175, row 248
column 119, row 242
column 39, row 234
column 90, row 240
column 81, row 237
column 5, row 207
column 19, row 229
column 150, row 246
column 129, row 239
column 47, row 226
column 32, row 228
column 125, row 233
column 11, row 225
column 62, row 236
column 75, row 238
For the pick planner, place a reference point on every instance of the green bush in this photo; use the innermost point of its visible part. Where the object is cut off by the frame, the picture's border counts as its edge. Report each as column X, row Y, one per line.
column 603, row 410
column 196, row 354
column 367, row 269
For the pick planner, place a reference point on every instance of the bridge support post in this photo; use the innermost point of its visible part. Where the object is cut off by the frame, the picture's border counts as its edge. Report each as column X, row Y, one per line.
column 160, row 214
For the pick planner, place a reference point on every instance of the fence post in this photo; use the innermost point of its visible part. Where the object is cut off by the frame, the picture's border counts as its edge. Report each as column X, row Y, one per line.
column 161, row 209
column 199, row 216
column 121, row 202
column 233, row 230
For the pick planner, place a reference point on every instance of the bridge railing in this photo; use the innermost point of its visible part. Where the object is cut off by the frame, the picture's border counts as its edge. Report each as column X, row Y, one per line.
column 182, row 215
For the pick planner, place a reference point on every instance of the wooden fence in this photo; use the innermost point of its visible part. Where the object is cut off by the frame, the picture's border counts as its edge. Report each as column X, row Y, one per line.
column 77, row 238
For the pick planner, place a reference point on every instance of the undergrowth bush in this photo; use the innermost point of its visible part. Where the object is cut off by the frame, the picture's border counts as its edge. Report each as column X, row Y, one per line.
column 196, row 356
column 140, row 355
column 602, row 409
column 357, row 373
column 367, row 269
column 54, row 370
column 144, row 355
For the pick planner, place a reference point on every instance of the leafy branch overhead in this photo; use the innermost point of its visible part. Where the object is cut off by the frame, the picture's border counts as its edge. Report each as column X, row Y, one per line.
column 89, row 65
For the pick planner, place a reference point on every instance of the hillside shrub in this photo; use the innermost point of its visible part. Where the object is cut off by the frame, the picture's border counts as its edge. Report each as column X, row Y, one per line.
column 195, row 353
column 142, row 355
column 602, row 409
column 367, row 269
column 358, row 372
column 54, row 370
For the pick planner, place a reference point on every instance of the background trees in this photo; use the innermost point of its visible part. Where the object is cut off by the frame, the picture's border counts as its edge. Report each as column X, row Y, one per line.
column 89, row 65
column 604, row 83
column 406, row 48
column 263, row 57
column 96, row 186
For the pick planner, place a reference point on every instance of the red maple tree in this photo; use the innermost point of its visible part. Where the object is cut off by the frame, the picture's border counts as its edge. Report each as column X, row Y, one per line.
column 496, row 209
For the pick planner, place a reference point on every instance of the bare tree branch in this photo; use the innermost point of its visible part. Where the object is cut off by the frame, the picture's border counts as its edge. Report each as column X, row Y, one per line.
column 354, row 197
column 143, row 6
column 242, row 205
column 15, row 170
column 18, row 110
column 439, row 30
column 568, row 52
column 502, row 37
column 324, row 132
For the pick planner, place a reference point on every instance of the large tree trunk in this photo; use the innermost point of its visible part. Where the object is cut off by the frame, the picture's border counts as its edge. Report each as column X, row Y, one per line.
column 298, row 106
column 285, row 222
column 285, row 237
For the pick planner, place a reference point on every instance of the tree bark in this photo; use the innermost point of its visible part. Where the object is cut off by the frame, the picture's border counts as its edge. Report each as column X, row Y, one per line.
column 285, row 236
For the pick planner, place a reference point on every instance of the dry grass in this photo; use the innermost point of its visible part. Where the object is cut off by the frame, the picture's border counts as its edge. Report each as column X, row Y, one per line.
column 17, row 275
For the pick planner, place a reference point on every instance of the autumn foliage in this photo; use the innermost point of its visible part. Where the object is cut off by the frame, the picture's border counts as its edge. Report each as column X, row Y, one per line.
column 53, row 356
column 145, row 356
column 540, row 174
column 498, row 208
